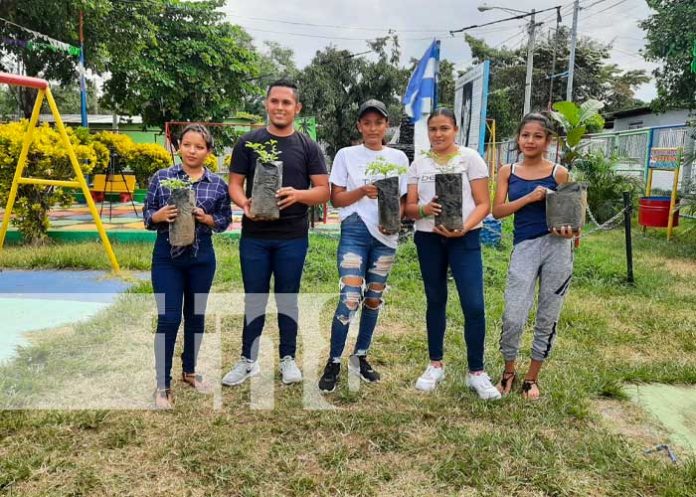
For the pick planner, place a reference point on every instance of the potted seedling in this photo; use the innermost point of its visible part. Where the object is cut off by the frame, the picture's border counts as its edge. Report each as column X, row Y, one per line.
column 566, row 206
column 182, row 232
column 448, row 190
column 268, row 178
column 388, row 195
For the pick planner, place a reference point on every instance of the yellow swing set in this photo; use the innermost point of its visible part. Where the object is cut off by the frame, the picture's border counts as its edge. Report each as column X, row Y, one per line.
column 79, row 182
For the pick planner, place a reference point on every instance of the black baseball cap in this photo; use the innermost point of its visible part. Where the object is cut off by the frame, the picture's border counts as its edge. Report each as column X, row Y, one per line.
column 374, row 105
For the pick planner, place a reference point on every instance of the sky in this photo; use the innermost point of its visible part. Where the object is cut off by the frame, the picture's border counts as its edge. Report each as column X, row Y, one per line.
column 307, row 26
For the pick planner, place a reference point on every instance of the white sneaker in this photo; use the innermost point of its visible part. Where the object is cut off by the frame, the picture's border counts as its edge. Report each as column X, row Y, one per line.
column 244, row 369
column 289, row 371
column 430, row 378
column 481, row 383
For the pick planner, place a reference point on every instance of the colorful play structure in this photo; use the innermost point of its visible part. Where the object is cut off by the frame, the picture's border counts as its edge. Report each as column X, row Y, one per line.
column 661, row 211
column 44, row 91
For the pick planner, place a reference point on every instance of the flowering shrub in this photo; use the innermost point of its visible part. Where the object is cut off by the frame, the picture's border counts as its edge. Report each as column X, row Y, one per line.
column 47, row 159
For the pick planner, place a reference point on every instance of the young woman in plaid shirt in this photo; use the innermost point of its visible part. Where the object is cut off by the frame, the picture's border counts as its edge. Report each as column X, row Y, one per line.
column 181, row 273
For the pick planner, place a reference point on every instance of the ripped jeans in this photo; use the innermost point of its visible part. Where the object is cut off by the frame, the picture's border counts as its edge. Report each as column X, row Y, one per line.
column 363, row 266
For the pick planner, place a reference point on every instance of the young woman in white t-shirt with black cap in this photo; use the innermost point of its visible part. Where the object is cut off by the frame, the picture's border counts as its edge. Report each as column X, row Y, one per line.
column 365, row 253
column 459, row 250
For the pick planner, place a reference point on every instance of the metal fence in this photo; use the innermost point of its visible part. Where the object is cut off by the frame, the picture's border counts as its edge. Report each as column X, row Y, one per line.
column 632, row 147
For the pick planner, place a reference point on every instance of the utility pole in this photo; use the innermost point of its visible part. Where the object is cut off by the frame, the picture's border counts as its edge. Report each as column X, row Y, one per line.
column 571, row 59
column 83, row 85
column 555, row 50
column 530, row 65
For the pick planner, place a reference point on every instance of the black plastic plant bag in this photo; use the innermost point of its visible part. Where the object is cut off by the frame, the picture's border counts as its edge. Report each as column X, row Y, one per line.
column 182, row 232
column 566, row 206
column 448, row 189
column 268, row 178
column 388, row 203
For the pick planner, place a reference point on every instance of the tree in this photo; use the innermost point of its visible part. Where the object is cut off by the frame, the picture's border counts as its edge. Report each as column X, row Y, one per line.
column 191, row 66
column 60, row 21
column 337, row 81
column 275, row 62
column 445, row 97
column 575, row 121
column 68, row 99
column 594, row 77
column 671, row 38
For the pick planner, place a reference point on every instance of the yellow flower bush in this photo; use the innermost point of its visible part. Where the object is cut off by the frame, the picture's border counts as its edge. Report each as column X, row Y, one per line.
column 144, row 159
column 47, row 158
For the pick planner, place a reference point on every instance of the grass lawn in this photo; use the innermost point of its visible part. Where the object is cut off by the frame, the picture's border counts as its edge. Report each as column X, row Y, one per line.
column 385, row 439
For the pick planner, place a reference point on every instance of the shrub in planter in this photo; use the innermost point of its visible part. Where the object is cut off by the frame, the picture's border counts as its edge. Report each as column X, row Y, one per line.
column 182, row 232
column 268, row 178
column 388, row 195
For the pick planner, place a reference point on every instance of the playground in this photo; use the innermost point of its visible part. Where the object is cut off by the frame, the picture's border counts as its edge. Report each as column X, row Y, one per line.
column 615, row 418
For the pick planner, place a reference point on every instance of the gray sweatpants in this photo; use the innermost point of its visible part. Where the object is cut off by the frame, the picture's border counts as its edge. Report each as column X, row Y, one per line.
column 550, row 260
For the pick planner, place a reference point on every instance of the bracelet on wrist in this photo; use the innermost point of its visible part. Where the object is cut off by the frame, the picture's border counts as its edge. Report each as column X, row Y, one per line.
column 421, row 211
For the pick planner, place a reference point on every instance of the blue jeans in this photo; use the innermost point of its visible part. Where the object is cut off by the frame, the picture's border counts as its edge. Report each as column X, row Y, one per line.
column 363, row 257
column 284, row 259
column 463, row 256
column 184, row 281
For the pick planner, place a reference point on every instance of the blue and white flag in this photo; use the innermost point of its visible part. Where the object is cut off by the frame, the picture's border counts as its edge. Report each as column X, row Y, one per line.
column 421, row 91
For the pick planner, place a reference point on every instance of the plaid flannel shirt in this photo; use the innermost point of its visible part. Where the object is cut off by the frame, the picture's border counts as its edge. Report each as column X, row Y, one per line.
column 212, row 196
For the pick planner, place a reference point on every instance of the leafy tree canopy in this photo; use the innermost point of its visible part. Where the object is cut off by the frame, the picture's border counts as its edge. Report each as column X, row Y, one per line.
column 594, row 78
column 671, row 38
column 337, row 81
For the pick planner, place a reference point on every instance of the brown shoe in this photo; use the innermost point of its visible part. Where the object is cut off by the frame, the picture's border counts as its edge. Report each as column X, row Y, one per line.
column 197, row 381
column 164, row 398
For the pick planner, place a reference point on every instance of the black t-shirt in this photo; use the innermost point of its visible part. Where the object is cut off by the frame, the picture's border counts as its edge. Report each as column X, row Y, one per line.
column 301, row 158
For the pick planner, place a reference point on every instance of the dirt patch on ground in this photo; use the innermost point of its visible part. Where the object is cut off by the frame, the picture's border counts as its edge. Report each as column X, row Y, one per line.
column 681, row 267
column 631, row 421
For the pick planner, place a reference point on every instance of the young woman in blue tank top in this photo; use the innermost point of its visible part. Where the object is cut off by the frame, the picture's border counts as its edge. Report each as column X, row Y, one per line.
column 538, row 254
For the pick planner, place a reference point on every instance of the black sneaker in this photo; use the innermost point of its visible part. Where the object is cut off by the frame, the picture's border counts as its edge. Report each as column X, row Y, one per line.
column 358, row 364
column 329, row 379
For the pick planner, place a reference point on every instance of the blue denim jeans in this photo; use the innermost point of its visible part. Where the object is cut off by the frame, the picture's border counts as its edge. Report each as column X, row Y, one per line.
column 463, row 255
column 362, row 256
column 284, row 259
column 179, row 280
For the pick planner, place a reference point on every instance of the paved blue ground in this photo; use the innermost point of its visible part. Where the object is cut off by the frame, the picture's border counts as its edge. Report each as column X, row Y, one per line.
column 37, row 300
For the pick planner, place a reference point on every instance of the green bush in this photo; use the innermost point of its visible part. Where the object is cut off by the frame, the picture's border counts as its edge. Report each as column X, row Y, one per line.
column 605, row 186
column 47, row 159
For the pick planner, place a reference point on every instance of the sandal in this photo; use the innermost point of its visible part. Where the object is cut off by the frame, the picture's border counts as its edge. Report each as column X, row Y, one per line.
column 527, row 386
column 164, row 398
column 507, row 382
column 196, row 381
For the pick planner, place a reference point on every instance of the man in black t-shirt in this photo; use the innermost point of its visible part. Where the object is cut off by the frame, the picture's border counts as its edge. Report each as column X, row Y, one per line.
column 276, row 247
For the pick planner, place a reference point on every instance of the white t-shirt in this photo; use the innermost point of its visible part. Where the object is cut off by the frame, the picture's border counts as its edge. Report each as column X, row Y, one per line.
column 424, row 169
column 348, row 171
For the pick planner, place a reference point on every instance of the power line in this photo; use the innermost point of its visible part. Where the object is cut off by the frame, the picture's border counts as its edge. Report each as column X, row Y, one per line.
column 603, row 10
column 336, row 26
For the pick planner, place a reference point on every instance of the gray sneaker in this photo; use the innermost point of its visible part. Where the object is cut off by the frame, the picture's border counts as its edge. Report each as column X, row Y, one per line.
column 244, row 369
column 289, row 371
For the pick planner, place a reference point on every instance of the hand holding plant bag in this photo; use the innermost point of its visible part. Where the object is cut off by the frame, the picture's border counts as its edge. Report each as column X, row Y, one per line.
column 182, row 231
column 268, row 179
column 388, row 195
column 448, row 191
column 566, row 206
